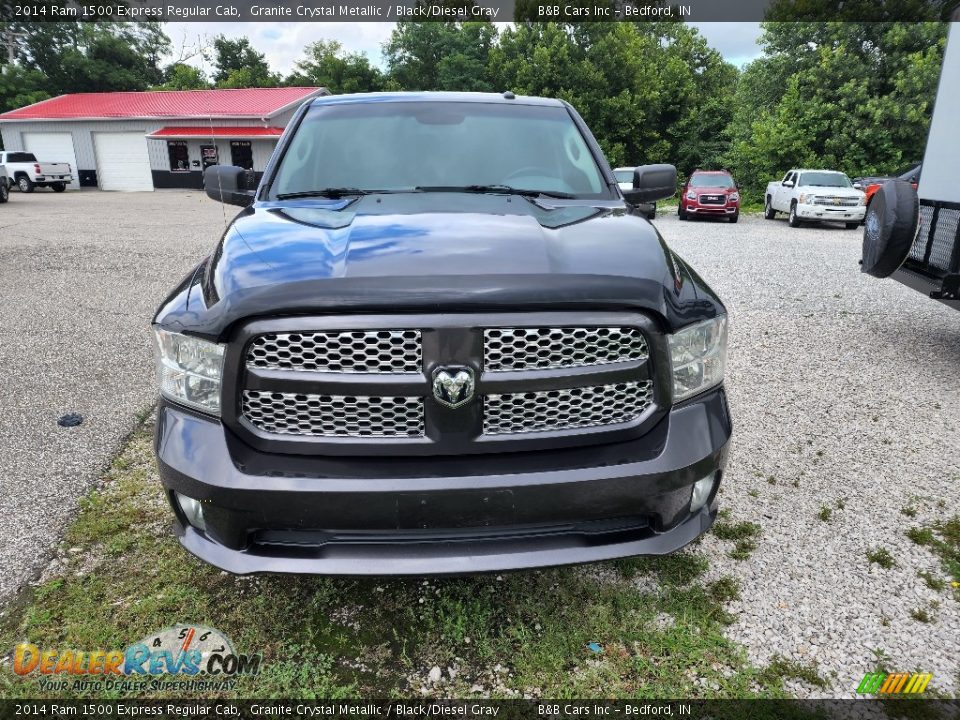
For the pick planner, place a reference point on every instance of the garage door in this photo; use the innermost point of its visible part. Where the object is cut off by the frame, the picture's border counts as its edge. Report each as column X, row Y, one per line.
column 122, row 161
column 53, row 147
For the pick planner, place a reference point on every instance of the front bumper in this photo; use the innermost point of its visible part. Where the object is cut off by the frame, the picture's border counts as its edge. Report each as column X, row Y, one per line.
column 827, row 213
column 442, row 515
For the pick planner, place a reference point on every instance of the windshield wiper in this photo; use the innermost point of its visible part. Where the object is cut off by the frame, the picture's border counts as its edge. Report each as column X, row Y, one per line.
column 496, row 188
column 330, row 192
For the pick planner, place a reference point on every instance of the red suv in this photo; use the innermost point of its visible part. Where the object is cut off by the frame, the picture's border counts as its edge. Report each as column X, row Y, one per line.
column 710, row 192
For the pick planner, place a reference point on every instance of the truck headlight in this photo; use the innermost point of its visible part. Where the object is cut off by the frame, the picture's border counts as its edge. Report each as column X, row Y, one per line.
column 691, row 195
column 734, row 197
column 803, row 198
column 189, row 370
column 863, row 199
column 697, row 356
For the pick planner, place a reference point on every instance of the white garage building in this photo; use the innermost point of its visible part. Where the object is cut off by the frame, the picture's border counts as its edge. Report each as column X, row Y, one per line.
column 135, row 141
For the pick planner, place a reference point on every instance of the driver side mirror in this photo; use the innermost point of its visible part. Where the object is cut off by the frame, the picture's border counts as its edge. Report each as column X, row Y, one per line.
column 857, row 186
column 228, row 184
column 652, row 183
column 788, row 183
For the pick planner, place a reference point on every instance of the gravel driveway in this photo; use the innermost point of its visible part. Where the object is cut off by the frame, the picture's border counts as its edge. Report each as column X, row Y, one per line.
column 82, row 274
column 845, row 392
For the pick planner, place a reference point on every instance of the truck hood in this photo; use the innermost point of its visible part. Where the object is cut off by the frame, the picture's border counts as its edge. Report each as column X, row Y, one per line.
column 435, row 252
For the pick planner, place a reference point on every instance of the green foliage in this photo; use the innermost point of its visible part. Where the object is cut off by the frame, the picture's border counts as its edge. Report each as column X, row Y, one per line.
column 237, row 64
column 325, row 64
column 180, row 76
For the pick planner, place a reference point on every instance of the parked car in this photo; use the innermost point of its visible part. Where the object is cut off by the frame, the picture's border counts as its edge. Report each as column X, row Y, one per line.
column 624, row 176
column 710, row 193
column 815, row 195
column 870, row 184
column 423, row 366
column 26, row 173
column 4, row 185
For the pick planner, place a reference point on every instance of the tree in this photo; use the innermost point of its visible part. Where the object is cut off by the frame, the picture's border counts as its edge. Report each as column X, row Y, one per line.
column 180, row 76
column 441, row 55
column 326, row 64
column 237, row 64
column 855, row 97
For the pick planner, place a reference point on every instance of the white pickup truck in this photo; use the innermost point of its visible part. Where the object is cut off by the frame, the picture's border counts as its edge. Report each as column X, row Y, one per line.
column 4, row 185
column 815, row 195
column 24, row 171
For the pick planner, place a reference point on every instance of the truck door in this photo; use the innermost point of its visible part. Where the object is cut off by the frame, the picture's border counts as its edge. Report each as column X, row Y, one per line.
column 781, row 200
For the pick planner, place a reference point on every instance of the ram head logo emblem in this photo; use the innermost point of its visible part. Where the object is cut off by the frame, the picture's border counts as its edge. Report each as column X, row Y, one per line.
column 453, row 386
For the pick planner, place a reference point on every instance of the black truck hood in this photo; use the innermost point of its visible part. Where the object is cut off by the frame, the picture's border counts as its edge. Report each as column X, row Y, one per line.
column 435, row 252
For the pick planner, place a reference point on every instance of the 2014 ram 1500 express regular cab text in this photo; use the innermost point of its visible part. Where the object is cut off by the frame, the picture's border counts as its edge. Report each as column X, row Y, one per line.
column 815, row 195
column 438, row 339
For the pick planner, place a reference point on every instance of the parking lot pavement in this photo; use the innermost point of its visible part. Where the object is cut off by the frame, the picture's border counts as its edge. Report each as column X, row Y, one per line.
column 82, row 273
column 845, row 392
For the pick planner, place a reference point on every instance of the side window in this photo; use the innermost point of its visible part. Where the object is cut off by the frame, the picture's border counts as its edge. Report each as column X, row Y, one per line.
column 179, row 156
column 241, row 154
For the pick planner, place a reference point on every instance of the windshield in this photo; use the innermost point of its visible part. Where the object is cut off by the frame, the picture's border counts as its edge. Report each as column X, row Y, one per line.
column 825, row 179
column 401, row 146
column 704, row 180
column 624, row 176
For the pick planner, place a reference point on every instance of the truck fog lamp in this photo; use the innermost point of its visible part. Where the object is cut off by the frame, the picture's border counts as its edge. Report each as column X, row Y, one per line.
column 701, row 491
column 698, row 354
column 192, row 511
column 189, row 370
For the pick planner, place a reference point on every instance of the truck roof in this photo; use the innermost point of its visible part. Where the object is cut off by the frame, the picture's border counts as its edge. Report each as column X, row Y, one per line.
column 476, row 97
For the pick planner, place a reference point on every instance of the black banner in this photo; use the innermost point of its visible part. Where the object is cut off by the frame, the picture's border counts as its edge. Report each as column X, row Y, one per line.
column 569, row 11
column 503, row 709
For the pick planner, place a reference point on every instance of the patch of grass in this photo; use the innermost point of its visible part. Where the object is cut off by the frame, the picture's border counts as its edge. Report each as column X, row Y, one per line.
column 943, row 538
column 881, row 557
column 825, row 513
column 742, row 534
column 783, row 668
column 932, row 581
column 910, row 511
column 347, row 638
column 841, row 503
column 921, row 615
column 772, row 480
column 753, row 493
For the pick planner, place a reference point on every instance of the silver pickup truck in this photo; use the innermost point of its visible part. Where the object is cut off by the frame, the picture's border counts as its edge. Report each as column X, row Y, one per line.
column 26, row 172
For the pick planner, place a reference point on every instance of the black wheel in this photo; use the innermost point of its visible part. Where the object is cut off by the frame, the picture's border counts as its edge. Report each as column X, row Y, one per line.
column 892, row 223
column 25, row 184
column 852, row 226
column 734, row 217
column 4, row 191
column 794, row 221
column 681, row 213
column 768, row 212
column 59, row 187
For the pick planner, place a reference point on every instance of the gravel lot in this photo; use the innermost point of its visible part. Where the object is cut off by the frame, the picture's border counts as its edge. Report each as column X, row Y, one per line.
column 845, row 390
column 82, row 274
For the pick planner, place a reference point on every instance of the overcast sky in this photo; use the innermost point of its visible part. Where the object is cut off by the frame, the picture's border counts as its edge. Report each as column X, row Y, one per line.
column 283, row 43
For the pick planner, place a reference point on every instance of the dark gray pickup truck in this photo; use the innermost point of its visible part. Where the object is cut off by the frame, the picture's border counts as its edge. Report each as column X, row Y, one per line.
column 439, row 339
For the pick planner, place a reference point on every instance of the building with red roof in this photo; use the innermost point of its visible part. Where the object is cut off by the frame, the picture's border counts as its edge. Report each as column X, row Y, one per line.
column 132, row 141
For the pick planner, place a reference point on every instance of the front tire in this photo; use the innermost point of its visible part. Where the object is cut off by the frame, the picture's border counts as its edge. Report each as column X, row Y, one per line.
column 59, row 186
column 4, row 191
column 794, row 221
column 681, row 213
column 734, row 217
column 852, row 225
column 25, row 184
column 768, row 212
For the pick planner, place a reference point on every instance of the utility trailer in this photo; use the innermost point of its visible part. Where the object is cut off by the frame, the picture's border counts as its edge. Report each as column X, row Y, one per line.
column 914, row 236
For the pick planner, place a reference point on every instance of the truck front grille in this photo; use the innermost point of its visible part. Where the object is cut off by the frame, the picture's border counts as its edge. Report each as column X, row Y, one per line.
column 581, row 407
column 351, row 351
column 713, row 199
column 536, row 376
column 334, row 415
column 831, row 200
column 506, row 349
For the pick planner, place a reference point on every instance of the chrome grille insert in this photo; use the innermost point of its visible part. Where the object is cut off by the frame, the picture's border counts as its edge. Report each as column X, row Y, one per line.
column 544, row 348
column 349, row 351
column 334, row 415
column 836, row 201
column 582, row 407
